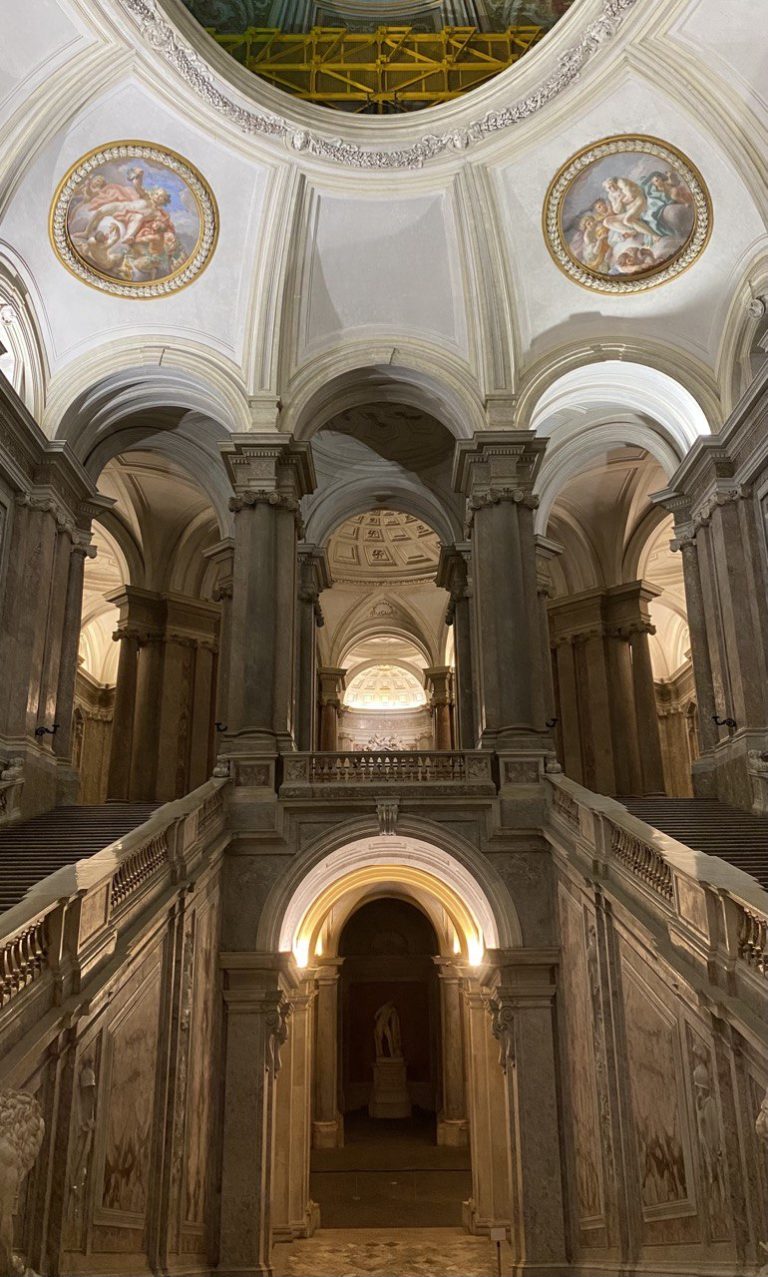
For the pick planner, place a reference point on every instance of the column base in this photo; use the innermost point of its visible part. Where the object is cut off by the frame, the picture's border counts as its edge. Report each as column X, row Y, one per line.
column 475, row 1224
column 328, row 1134
column 453, row 1132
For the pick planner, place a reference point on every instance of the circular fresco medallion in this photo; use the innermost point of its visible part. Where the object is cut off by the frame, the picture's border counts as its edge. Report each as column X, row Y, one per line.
column 626, row 214
column 134, row 220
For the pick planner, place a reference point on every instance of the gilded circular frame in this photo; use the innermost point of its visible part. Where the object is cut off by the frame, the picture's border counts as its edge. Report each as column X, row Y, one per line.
column 183, row 177
column 636, row 273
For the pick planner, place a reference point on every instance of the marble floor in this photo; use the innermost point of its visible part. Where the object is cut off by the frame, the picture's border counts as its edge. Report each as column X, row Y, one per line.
column 389, row 1252
column 388, row 1171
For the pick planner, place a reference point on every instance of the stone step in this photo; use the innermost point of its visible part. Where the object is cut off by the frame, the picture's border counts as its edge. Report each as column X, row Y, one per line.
column 36, row 848
column 710, row 826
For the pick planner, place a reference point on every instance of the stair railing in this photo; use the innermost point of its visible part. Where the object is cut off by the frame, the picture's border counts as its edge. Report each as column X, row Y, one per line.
column 720, row 910
column 69, row 923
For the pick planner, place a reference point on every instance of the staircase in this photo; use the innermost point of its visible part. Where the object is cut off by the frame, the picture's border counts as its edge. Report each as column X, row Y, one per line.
column 708, row 825
column 36, row 848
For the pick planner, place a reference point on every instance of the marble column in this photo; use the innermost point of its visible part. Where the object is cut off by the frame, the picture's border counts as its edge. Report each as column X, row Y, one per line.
column 328, row 1122
column 585, row 695
column 331, row 700
column 314, row 577
column 546, row 552
column 256, row 1027
column 489, row 1205
column 81, row 549
column 438, row 681
column 685, row 542
column 629, row 621
column 522, row 1010
column 718, row 501
column 121, row 749
column 294, row 1214
column 452, row 1126
column 568, row 709
column 222, row 554
column 164, row 702
column 269, row 474
column 453, row 576
column 496, row 473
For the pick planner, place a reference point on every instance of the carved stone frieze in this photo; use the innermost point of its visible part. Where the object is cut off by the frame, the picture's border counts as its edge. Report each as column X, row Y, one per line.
column 165, row 40
column 277, row 1034
column 503, row 1029
column 87, row 1090
column 387, row 810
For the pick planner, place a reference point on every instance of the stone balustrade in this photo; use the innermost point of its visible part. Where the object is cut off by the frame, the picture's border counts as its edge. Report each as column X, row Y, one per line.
column 23, row 957
column 67, row 922
column 642, row 860
column 753, row 939
column 716, row 911
column 437, row 771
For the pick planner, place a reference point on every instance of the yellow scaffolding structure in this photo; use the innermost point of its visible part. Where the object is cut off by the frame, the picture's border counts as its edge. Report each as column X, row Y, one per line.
column 388, row 70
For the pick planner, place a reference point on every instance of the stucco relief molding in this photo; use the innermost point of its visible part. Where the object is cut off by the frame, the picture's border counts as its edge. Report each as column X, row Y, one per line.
column 160, row 34
column 277, row 1034
column 503, row 1029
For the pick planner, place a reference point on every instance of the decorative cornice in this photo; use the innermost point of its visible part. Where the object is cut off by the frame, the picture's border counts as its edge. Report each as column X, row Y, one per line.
column 162, row 36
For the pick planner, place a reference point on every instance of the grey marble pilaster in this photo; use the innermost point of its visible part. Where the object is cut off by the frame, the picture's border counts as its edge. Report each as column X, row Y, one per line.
column 453, row 575
column 314, row 577
column 496, row 473
column 269, row 474
column 256, row 1028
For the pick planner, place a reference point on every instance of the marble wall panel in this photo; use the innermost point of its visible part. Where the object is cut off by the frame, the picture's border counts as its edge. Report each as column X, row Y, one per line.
column 581, row 1081
column 201, row 1074
column 710, row 1136
column 654, row 1069
column 130, row 1090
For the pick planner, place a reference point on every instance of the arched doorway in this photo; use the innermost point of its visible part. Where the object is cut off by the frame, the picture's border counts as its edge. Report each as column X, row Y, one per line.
column 403, row 1155
column 415, row 927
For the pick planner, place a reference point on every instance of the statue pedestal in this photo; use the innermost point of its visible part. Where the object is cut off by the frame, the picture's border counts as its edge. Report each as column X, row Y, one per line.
column 390, row 1097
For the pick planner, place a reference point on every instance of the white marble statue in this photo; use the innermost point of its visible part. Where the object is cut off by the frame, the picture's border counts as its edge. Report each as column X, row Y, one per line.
column 387, row 1032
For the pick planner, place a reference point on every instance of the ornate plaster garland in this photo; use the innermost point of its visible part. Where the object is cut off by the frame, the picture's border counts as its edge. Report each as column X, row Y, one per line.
column 161, row 35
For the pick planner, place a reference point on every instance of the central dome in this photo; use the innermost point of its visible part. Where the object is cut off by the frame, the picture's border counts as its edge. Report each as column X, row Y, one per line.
column 377, row 56
column 383, row 545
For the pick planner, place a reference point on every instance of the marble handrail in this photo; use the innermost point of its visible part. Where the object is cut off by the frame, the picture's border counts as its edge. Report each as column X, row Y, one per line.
column 685, row 882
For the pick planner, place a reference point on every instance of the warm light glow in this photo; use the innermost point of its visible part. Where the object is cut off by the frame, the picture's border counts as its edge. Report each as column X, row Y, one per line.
column 384, row 687
column 346, row 892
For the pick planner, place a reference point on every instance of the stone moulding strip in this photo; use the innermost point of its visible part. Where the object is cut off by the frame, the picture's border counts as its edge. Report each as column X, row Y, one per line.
column 161, row 35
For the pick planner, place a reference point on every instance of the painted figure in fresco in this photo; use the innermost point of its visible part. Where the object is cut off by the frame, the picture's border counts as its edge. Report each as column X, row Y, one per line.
column 629, row 204
column 124, row 228
column 387, row 1033
column 637, row 219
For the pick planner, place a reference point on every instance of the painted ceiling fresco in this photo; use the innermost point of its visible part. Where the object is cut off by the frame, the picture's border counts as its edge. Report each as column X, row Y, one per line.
column 377, row 56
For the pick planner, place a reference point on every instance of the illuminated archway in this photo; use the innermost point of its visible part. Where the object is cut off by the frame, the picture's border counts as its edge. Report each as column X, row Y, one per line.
column 434, row 879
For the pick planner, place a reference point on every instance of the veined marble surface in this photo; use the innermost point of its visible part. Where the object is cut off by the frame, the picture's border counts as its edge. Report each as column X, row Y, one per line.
column 389, row 1252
